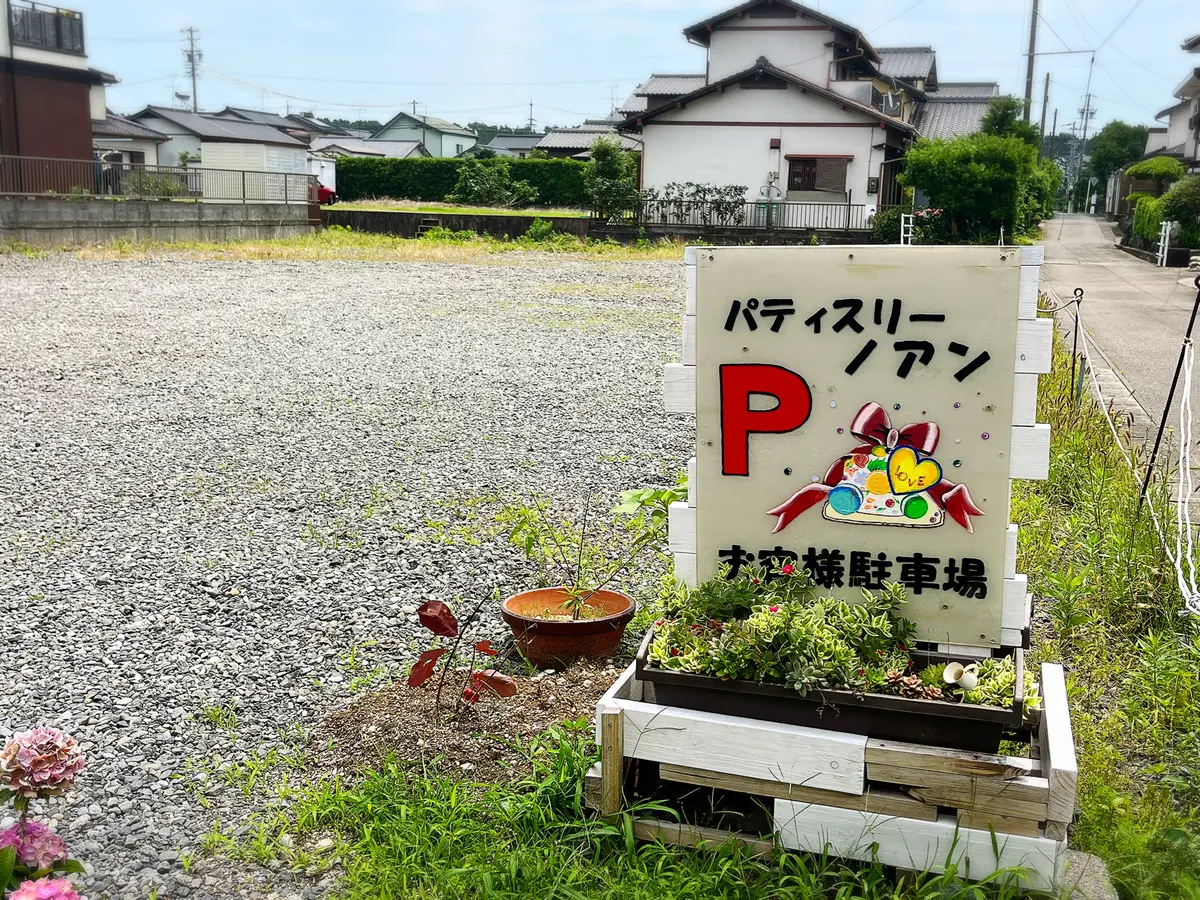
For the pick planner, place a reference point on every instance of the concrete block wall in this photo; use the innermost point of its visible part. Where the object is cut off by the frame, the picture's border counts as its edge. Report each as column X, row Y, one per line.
column 46, row 223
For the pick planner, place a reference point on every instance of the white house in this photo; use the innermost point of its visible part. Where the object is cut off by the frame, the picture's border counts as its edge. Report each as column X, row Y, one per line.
column 795, row 104
column 118, row 139
column 1183, row 117
column 440, row 137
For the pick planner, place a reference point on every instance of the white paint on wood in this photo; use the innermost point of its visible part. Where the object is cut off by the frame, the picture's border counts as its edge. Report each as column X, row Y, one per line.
column 679, row 388
column 1010, row 551
column 689, row 303
column 1012, row 613
column 685, row 568
column 1035, row 344
column 1029, row 456
column 681, row 528
column 1027, row 303
column 688, row 352
column 1058, row 745
column 828, row 760
column 1033, row 255
column 1025, row 389
column 915, row 845
column 691, row 477
column 962, row 652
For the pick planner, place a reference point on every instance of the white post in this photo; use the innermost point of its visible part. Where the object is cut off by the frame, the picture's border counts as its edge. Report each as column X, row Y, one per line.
column 906, row 229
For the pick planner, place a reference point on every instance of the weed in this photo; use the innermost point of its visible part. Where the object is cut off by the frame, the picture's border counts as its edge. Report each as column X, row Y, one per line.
column 223, row 717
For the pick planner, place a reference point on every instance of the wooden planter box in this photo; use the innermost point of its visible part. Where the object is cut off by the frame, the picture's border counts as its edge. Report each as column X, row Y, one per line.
column 961, row 726
column 910, row 805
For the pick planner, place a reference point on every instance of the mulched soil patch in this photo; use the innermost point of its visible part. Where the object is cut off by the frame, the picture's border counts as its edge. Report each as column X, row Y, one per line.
column 485, row 743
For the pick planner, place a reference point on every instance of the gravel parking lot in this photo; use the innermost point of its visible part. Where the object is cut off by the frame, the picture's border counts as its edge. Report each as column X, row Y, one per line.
column 228, row 484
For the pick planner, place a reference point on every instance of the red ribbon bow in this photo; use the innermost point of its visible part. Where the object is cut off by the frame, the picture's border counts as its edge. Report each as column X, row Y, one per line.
column 874, row 428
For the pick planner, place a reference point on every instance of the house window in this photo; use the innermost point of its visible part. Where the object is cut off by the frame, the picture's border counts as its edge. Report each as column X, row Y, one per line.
column 817, row 174
column 458, row 149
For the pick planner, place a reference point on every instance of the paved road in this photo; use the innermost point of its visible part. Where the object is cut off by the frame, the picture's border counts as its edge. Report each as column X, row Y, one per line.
column 1135, row 313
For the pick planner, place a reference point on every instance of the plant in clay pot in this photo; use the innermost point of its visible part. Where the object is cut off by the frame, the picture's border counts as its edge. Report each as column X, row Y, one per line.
column 576, row 613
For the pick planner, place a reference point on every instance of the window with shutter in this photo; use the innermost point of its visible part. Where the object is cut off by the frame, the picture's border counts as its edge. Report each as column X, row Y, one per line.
column 831, row 175
column 802, row 174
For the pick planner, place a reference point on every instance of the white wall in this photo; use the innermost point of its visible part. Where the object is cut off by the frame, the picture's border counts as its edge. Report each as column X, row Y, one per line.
column 734, row 49
column 49, row 57
column 150, row 148
column 4, row 28
column 168, row 151
column 325, row 170
column 285, row 159
column 96, row 102
column 741, row 153
column 1177, row 130
column 233, row 155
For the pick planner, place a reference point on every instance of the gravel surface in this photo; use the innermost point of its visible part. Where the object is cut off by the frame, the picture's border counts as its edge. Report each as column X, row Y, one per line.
column 230, row 484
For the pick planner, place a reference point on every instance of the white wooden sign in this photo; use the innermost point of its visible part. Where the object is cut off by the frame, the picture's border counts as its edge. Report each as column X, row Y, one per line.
column 860, row 412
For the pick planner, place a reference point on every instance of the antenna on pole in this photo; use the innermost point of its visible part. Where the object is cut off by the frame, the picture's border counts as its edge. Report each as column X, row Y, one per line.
column 192, row 58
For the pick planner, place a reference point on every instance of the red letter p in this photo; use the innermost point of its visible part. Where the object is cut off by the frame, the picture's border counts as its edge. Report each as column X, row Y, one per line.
column 739, row 421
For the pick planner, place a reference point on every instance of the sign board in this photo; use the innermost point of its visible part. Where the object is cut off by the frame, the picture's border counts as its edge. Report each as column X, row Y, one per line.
column 855, row 416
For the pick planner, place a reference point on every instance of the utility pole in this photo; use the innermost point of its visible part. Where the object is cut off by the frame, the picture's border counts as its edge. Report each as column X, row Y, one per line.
column 530, row 115
column 1045, row 104
column 1087, row 112
column 1033, row 20
column 192, row 56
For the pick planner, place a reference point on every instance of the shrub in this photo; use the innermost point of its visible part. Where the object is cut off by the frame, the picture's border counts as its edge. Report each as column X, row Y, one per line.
column 1147, row 218
column 480, row 184
column 539, row 230
column 1182, row 202
column 1159, row 169
column 885, row 226
column 151, row 184
column 558, row 182
column 1134, row 197
column 697, row 204
column 610, row 179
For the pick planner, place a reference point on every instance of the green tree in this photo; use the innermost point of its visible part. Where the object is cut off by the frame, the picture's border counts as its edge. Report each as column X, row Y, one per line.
column 1182, row 204
column 610, row 179
column 1116, row 145
column 980, row 180
column 490, row 184
column 370, row 125
column 1159, row 169
column 486, row 132
column 1005, row 118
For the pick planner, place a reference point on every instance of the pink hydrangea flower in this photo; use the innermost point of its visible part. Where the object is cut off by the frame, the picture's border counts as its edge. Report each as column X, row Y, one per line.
column 40, row 763
column 45, row 889
column 37, row 846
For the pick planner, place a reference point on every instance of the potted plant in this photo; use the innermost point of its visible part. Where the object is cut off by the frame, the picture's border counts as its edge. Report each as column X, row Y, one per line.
column 763, row 645
column 578, row 613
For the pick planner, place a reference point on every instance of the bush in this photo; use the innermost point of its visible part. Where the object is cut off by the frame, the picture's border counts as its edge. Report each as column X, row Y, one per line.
column 480, row 184
column 1159, row 169
column 610, row 179
column 984, row 182
column 1147, row 218
column 885, row 226
column 540, row 230
column 558, row 182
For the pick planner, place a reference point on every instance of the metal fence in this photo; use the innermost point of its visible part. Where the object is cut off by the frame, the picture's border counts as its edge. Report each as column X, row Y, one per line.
column 753, row 214
column 31, row 176
column 37, row 25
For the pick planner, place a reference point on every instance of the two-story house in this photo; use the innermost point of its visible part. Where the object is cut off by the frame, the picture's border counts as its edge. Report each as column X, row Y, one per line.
column 441, row 138
column 49, row 96
column 795, row 105
column 1182, row 139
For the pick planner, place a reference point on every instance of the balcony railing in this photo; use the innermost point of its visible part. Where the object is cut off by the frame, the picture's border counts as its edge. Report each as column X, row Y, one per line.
column 752, row 214
column 30, row 176
column 47, row 27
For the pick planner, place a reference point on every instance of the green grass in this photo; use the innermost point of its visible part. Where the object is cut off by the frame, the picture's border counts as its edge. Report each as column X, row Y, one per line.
column 1132, row 660
column 405, row 832
column 451, row 210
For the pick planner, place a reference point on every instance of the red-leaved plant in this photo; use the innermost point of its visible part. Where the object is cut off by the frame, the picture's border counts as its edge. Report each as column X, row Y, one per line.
column 437, row 618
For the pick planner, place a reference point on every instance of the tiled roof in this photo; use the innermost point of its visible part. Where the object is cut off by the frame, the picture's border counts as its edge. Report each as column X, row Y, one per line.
column 119, row 126
column 433, row 122
column 670, row 85
column 955, row 117
column 257, row 116
column 357, row 147
column 701, row 31
column 218, row 129
column 583, row 137
column 1192, row 44
column 906, row 62
column 964, row 89
column 514, row 141
column 634, row 104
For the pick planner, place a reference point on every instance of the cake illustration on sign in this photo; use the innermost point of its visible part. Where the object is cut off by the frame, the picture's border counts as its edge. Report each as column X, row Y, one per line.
column 891, row 478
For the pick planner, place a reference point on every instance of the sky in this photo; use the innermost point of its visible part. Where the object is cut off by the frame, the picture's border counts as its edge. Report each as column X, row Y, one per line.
column 486, row 60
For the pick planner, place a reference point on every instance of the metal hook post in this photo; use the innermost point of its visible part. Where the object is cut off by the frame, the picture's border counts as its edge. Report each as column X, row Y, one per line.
column 1075, row 344
column 1162, row 425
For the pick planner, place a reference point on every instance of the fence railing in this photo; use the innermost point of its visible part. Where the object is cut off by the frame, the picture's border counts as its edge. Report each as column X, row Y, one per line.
column 31, row 176
column 753, row 214
column 50, row 27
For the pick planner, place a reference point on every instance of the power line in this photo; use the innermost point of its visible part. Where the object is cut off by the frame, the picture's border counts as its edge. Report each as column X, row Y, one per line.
column 1055, row 33
column 1132, row 10
column 902, row 12
column 419, row 83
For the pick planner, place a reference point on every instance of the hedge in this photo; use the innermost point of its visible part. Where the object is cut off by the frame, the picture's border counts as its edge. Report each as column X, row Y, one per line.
column 559, row 182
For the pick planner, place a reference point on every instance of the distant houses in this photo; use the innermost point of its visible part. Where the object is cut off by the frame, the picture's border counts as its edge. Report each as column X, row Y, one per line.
column 223, row 142
column 577, row 142
column 440, row 137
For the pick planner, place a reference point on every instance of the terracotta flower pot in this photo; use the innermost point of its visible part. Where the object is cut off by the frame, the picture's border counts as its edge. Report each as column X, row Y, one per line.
column 551, row 643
